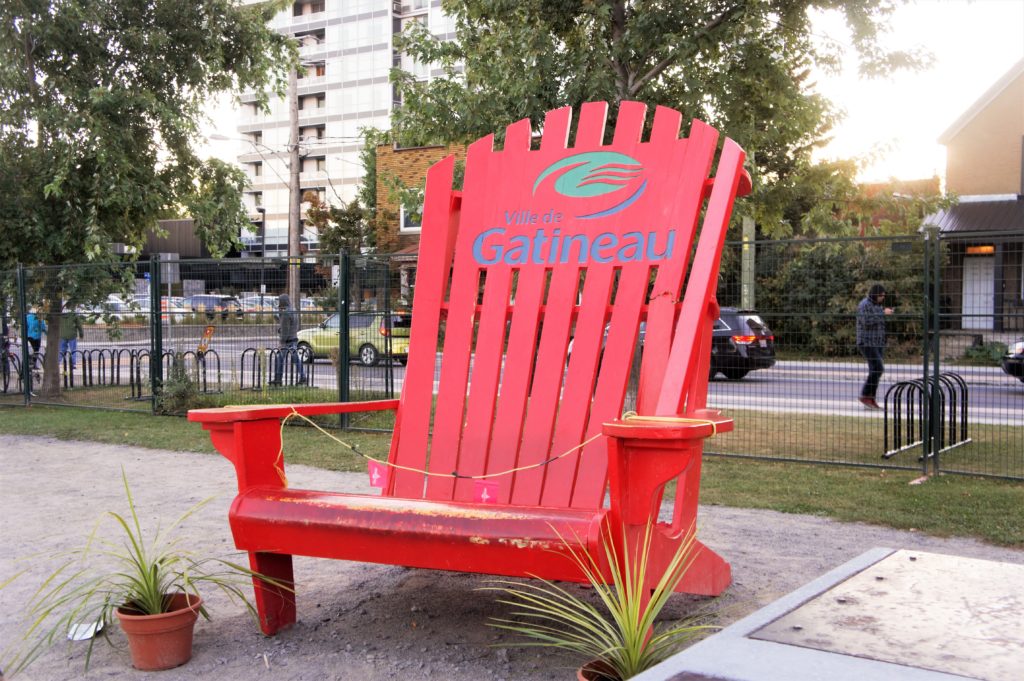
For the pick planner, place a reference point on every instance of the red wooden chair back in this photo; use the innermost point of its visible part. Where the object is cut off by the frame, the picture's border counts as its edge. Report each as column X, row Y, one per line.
column 544, row 246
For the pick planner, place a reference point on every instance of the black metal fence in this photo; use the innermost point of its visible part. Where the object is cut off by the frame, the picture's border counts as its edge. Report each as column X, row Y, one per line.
column 169, row 336
column 947, row 404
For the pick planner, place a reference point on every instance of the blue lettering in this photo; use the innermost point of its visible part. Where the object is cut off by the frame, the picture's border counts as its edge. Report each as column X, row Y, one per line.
column 603, row 241
column 478, row 246
column 538, row 243
column 632, row 249
column 518, row 252
column 652, row 254
column 493, row 246
column 581, row 253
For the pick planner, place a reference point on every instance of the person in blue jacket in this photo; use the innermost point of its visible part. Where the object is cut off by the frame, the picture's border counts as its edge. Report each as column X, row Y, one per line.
column 34, row 330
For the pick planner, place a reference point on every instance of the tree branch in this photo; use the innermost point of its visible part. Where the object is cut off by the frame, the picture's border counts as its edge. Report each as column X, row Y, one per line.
column 622, row 75
column 660, row 67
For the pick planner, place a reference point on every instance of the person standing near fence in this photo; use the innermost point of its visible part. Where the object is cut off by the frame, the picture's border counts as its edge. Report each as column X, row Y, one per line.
column 288, row 335
column 871, row 315
column 34, row 330
column 70, row 331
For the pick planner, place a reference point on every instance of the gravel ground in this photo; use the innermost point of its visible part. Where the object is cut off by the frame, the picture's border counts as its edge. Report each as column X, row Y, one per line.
column 358, row 621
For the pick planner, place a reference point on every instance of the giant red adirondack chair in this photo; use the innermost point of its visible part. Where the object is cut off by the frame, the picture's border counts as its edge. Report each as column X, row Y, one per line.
column 542, row 245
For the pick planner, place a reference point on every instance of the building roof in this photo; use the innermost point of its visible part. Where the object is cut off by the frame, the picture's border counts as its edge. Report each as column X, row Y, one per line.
column 978, row 214
column 952, row 131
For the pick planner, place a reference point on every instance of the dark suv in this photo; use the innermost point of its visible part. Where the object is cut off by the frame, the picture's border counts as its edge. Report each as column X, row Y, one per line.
column 1013, row 360
column 741, row 342
column 212, row 303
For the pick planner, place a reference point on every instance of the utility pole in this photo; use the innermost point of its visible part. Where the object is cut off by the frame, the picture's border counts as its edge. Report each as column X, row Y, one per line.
column 294, row 199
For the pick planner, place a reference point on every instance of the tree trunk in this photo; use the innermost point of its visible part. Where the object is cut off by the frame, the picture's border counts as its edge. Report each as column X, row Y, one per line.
column 51, row 364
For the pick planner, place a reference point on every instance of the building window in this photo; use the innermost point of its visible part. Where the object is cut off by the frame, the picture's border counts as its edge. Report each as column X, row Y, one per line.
column 317, row 70
column 314, row 192
column 256, row 137
column 312, row 102
column 314, row 164
column 409, row 222
column 257, row 199
column 312, row 133
column 257, row 169
column 302, row 8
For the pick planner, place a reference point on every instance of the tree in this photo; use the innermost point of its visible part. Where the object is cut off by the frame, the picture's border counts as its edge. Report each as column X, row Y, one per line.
column 743, row 66
column 101, row 106
column 341, row 228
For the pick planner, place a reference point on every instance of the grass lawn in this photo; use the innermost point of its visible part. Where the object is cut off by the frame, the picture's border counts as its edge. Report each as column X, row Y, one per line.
column 948, row 505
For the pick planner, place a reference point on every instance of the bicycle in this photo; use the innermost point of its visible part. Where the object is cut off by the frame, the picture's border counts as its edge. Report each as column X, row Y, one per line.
column 10, row 366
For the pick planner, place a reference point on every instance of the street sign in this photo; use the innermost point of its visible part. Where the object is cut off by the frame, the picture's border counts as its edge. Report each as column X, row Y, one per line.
column 204, row 342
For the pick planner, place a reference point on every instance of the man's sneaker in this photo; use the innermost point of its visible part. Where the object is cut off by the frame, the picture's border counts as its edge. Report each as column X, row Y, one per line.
column 869, row 402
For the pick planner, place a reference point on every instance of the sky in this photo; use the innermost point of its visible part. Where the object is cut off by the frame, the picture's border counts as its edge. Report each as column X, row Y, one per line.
column 974, row 44
column 897, row 119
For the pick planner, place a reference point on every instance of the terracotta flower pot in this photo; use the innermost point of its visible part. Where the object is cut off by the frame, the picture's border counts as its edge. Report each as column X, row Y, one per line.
column 162, row 641
column 595, row 670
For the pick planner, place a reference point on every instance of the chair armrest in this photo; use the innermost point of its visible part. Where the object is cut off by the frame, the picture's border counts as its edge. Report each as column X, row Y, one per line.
column 250, row 437
column 698, row 425
column 645, row 455
column 278, row 411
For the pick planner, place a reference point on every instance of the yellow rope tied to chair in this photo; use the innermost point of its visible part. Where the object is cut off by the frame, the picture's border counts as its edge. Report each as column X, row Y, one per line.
column 628, row 416
column 633, row 416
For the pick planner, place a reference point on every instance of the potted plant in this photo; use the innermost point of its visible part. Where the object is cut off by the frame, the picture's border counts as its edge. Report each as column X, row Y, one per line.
column 619, row 639
column 151, row 586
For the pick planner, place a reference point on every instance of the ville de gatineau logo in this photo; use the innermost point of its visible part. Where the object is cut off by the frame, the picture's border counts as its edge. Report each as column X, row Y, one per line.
column 580, row 176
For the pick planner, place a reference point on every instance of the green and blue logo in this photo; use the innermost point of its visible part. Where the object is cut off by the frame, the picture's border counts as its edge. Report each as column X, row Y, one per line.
column 597, row 173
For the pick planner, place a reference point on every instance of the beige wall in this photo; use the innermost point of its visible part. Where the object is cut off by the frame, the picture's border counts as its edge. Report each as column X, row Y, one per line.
column 985, row 156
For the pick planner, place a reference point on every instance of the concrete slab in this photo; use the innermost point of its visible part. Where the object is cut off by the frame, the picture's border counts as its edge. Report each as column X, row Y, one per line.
column 886, row 616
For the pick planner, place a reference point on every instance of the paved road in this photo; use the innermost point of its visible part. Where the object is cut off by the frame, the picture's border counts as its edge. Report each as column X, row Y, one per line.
column 790, row 386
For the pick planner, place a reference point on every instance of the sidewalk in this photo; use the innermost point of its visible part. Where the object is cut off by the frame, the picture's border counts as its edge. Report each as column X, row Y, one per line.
column 357, row 621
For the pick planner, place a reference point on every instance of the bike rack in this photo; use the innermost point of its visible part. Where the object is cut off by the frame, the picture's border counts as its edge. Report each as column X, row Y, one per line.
column 906, row 402
column 202, row 362
column 288, row 375
column 135, row 373
column 67, row 367
column 256, row 370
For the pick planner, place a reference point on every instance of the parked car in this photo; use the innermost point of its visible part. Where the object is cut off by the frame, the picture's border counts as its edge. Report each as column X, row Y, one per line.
column 1013, row 360
column 108, row 311
column 211, row 303
column 173, row 307
column 740, row 343
column 259, row 303
column 367, row 338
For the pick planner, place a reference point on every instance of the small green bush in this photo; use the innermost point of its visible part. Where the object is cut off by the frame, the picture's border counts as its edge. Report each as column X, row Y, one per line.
column 987, row 353
column 179, row 392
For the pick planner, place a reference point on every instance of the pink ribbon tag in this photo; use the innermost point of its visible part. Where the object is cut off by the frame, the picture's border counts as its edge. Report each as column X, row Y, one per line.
column 485, row 492
column 378, row 474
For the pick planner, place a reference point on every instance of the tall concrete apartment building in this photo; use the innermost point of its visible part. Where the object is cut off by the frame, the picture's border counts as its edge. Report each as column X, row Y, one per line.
column 347, row 50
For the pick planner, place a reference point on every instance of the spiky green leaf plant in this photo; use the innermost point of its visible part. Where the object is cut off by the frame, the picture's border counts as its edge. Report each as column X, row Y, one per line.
column 618, row 638
column 138, row 573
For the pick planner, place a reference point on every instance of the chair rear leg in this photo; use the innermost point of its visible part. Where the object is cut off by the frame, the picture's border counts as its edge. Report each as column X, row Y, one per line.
column 275, row 605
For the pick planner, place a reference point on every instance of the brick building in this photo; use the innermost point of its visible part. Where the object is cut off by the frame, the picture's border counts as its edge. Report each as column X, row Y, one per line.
column 398, row 232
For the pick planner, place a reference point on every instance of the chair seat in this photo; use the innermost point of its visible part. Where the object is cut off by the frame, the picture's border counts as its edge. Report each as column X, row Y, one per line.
column 464, row 537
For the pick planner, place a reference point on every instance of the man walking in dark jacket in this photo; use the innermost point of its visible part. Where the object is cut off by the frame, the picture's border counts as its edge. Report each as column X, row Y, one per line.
column 288, row 335
column 871, row 341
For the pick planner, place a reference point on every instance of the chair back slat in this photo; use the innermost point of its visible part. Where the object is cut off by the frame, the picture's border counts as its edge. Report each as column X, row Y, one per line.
column 663, row 305
column 681, row 382
column 410, row 442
